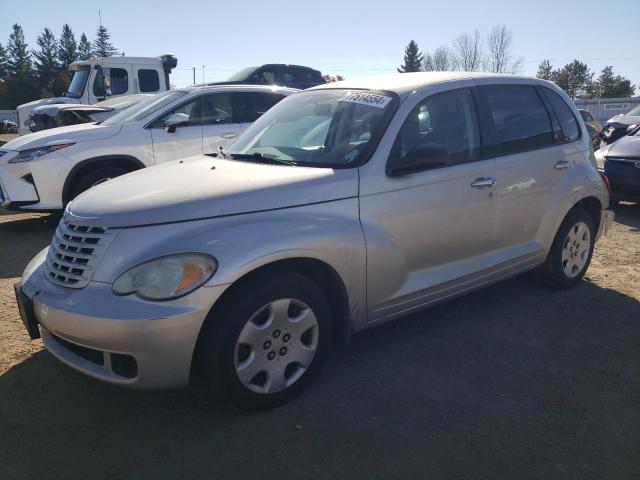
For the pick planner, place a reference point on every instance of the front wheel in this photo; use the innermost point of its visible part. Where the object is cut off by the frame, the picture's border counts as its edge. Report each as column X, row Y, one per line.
column 571, row 251
column 267, row 341
column 96, row 177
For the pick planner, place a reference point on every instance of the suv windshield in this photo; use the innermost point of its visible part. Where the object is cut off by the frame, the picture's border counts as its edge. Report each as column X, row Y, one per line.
column 635, row 112
column 78, row 82
column 145, row 107
column 241, row 75
column 326, row 128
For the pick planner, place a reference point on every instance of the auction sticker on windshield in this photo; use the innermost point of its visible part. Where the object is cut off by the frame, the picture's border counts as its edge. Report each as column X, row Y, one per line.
column 371, row 99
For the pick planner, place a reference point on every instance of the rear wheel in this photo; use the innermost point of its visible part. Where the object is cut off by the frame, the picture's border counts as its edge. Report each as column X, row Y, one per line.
column 571, row 251
column 95, row 177
column 267, row 341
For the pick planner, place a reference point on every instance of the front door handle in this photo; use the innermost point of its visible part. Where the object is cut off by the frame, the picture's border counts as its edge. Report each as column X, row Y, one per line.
column 563, row 165
column 483, row 182
column 228, row 135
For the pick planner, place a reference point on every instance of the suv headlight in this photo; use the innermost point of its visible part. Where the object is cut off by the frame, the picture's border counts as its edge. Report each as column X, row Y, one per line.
column 168, row 277
column 33, row 153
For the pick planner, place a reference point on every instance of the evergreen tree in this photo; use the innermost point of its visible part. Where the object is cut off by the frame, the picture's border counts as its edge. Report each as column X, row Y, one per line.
column 412, row 59
column 4, row 62
column 46, row 58
column 84, row 48
column 102, row 46
column 19, row 56
column 609, row 85
column 574, row 78
column 67, row 47
column 545, row 70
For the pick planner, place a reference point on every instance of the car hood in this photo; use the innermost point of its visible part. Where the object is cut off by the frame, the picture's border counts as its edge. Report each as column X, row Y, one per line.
column 206, row 187
column 621, row 118
column 625, row 147
column 84, row 132
column 53, row 110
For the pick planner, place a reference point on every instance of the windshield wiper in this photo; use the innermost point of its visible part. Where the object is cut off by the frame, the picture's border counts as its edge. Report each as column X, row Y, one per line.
column 264, row 158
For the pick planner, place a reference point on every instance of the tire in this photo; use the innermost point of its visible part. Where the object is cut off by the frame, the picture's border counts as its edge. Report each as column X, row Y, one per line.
column 251, row 352
column 96, row 176
column 571, row 252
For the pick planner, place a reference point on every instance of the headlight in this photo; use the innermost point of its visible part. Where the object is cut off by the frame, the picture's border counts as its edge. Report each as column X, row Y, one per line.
column 33, row 153
column 168, row 277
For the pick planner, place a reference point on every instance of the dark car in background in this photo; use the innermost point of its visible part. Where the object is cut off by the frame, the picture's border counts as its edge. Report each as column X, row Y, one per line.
column 622, row 167
column 618, row 125
column 294, row 76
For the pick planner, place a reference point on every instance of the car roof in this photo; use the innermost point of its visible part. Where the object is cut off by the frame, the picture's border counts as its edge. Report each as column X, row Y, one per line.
column 240, row 88
column 405, row 83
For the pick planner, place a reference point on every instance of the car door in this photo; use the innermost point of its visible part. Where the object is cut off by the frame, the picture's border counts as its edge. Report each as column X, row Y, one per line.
column 529, row 163
column 429, row 234
column 184, row 140
column 220, row 126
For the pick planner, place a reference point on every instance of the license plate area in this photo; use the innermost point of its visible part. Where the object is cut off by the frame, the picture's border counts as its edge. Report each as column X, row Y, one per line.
column 27, row 313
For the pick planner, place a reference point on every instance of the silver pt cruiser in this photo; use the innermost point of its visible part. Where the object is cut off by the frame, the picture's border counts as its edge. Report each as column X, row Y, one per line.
column 343, row 207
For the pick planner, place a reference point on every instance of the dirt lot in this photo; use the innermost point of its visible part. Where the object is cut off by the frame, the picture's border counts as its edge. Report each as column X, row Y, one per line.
column 515, row 381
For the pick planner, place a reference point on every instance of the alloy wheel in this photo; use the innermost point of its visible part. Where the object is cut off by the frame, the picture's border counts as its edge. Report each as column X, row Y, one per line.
column 575, row 250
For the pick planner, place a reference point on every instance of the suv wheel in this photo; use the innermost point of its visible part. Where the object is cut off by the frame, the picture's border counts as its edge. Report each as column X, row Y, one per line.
column 572, row 249
column 267, row 342
column 96, row 177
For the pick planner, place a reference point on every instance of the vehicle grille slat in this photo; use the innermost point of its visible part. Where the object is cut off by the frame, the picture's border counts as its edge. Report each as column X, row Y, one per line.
column 74, row 253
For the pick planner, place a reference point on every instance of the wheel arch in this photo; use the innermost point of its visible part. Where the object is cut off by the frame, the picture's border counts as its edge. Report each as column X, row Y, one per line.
column 124, row 161
column 317, row 271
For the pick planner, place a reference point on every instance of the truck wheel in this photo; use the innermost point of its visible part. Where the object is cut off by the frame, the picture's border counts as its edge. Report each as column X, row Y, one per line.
column 267, row 342
column 95, row 177
column 571, row 251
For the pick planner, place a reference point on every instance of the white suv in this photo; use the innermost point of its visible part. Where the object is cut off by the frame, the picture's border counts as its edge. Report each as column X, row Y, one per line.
column 46, row 170
column 343, row 207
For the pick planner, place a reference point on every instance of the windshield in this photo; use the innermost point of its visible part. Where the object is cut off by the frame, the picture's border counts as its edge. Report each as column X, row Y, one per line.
column 241, row 75
column 329, row 128
column 635, row 112
column 78, row 82
column 145, row 107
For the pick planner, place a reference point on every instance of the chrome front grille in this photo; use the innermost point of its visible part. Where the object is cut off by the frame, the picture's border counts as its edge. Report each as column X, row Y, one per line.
column 74, row 253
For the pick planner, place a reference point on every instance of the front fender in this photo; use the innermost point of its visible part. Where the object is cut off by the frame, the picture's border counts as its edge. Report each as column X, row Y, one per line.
column 329, row 232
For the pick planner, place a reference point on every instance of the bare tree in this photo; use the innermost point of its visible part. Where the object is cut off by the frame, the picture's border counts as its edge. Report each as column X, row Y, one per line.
column 441, row 60
column 468, row 51
column 499, row 57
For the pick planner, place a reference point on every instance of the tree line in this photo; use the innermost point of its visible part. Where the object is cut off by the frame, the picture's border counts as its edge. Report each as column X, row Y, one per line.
column 44, row 72
column 494, row 52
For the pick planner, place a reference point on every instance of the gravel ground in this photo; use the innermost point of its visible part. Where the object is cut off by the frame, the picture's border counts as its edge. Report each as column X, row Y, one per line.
column 514, row 381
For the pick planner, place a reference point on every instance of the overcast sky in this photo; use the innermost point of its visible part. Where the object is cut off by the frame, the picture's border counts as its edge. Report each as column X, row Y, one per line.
column 353, row 38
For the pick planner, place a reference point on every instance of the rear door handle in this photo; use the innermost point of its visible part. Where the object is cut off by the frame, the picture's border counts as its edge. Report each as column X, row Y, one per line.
column 483, row 182
column 563, row 165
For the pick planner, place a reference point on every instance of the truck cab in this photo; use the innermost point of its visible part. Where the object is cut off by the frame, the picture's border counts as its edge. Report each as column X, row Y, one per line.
column 103, row 78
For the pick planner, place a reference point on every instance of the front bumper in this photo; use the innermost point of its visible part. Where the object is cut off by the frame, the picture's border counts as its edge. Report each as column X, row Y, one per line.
column 119, row 339
column 35, row 185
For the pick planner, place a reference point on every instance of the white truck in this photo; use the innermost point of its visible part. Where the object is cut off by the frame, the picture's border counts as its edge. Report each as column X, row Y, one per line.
column 102, row 78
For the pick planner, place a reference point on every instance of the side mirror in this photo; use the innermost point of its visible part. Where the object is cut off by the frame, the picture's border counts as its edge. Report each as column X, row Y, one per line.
column 424, row 156
column 631, row 129
column 174, row 121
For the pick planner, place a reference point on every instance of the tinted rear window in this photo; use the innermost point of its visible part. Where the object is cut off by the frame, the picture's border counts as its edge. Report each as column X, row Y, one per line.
column 520, row 119
column 249, row 106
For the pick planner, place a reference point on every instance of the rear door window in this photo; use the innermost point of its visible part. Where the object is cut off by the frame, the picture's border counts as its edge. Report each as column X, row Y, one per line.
column 520, row 120
column 149, row 80
column 249, row 106
column 568, row 122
